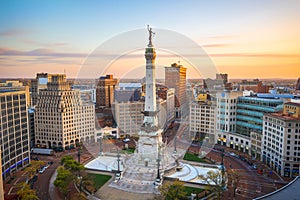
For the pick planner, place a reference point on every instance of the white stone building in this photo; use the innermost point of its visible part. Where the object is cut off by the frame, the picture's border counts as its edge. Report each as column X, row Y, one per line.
column 226, row 115
column 203, row 119
column 129, row 117
column 281, row 140
column 62, row 118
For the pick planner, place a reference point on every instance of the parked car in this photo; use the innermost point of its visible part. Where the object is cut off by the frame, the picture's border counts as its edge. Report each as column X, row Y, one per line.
column 126, row 140
column 42, row 170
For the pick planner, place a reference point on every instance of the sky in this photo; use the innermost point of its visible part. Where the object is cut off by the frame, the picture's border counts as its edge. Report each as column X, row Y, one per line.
column 245, row 39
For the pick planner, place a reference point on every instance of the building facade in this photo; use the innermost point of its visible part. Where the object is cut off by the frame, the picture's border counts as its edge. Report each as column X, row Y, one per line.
column 250, row 111
column 105, row 91
column 14, row 135
column 255, row 85
column 203, row 119
column 1, row 180
column 226, row 114
column 39, row 83
column 129, row 117
column 175, row 77
column 298, row 84
column 62, row 118
column 281, row 140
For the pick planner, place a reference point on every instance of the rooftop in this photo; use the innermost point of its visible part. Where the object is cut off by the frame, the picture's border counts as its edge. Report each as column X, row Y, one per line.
column 283, row 116
column 293, row 104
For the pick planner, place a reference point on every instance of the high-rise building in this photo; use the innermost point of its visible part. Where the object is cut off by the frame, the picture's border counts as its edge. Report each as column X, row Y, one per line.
column 175, row 77
column 298, row 84
column 1, row 180
column 202, row 119
column 281, row 140
column 129, row 117
column 39, row 83
column 14, row 136
column 226, row 114
column 223, row 77
column 105, row 91
column 255, row 85
column 16, row 86
column 250, row 111
column 62, row 117
column 128, row 92
column 31, row 127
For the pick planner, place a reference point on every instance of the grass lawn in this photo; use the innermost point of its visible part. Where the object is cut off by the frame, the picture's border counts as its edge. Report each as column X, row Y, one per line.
column 99, row 179
column 129, row 151
column 192, row 157
column 189, row 190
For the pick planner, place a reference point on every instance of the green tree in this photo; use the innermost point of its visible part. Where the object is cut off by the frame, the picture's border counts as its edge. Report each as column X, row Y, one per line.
column 25, row 193
column 172, row 191
column 69, row 163
column 86, row 181
column 34, row 166
column 214, row 181
column 63, row 179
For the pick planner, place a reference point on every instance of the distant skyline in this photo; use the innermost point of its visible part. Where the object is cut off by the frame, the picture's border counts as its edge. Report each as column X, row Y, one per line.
column 245, row 39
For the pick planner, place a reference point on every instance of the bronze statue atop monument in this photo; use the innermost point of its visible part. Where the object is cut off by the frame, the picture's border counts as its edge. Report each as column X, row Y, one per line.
column 151, row 35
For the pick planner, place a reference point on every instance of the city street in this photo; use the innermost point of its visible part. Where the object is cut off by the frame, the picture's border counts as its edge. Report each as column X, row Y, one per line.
column 250, row 184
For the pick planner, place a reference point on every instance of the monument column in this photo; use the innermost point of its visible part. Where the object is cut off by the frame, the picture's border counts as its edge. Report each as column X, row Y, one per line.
column 150, row 139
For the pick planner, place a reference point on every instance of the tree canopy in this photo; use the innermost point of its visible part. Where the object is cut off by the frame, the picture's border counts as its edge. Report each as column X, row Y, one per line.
column 25, row 193
column 63, row 179
column 173, row 191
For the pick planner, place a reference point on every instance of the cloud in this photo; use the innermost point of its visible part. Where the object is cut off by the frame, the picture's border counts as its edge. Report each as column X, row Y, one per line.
column 223, row 36
column 215, row 45
column 13, row 32
column 38, row 52
column 46, row 52
column 56, row 44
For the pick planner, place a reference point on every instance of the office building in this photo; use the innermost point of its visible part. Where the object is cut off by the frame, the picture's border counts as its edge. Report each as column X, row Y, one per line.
column 250, row 111
column 175, row 77
column 105, row 91
column 39, row 83
column 226, row 114
column 281, row 140
column 1, row 180
column 203, row 119
column 129, row 117
column 31, row 127
column 223, row 77
column 298, row 84
column 62, row 117
column 14, row 135
column 255, row 85
column 128, row 92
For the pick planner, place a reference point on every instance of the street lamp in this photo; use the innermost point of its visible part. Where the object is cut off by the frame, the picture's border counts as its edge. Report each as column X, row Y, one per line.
column 118, row 174
column 118, row 160
column 175, row 141
column 101, row 148
column 79, row 153
column 158, row 165
column 222, row 168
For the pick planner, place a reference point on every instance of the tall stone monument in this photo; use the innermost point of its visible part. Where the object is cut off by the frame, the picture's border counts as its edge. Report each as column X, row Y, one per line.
column 150, row 147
